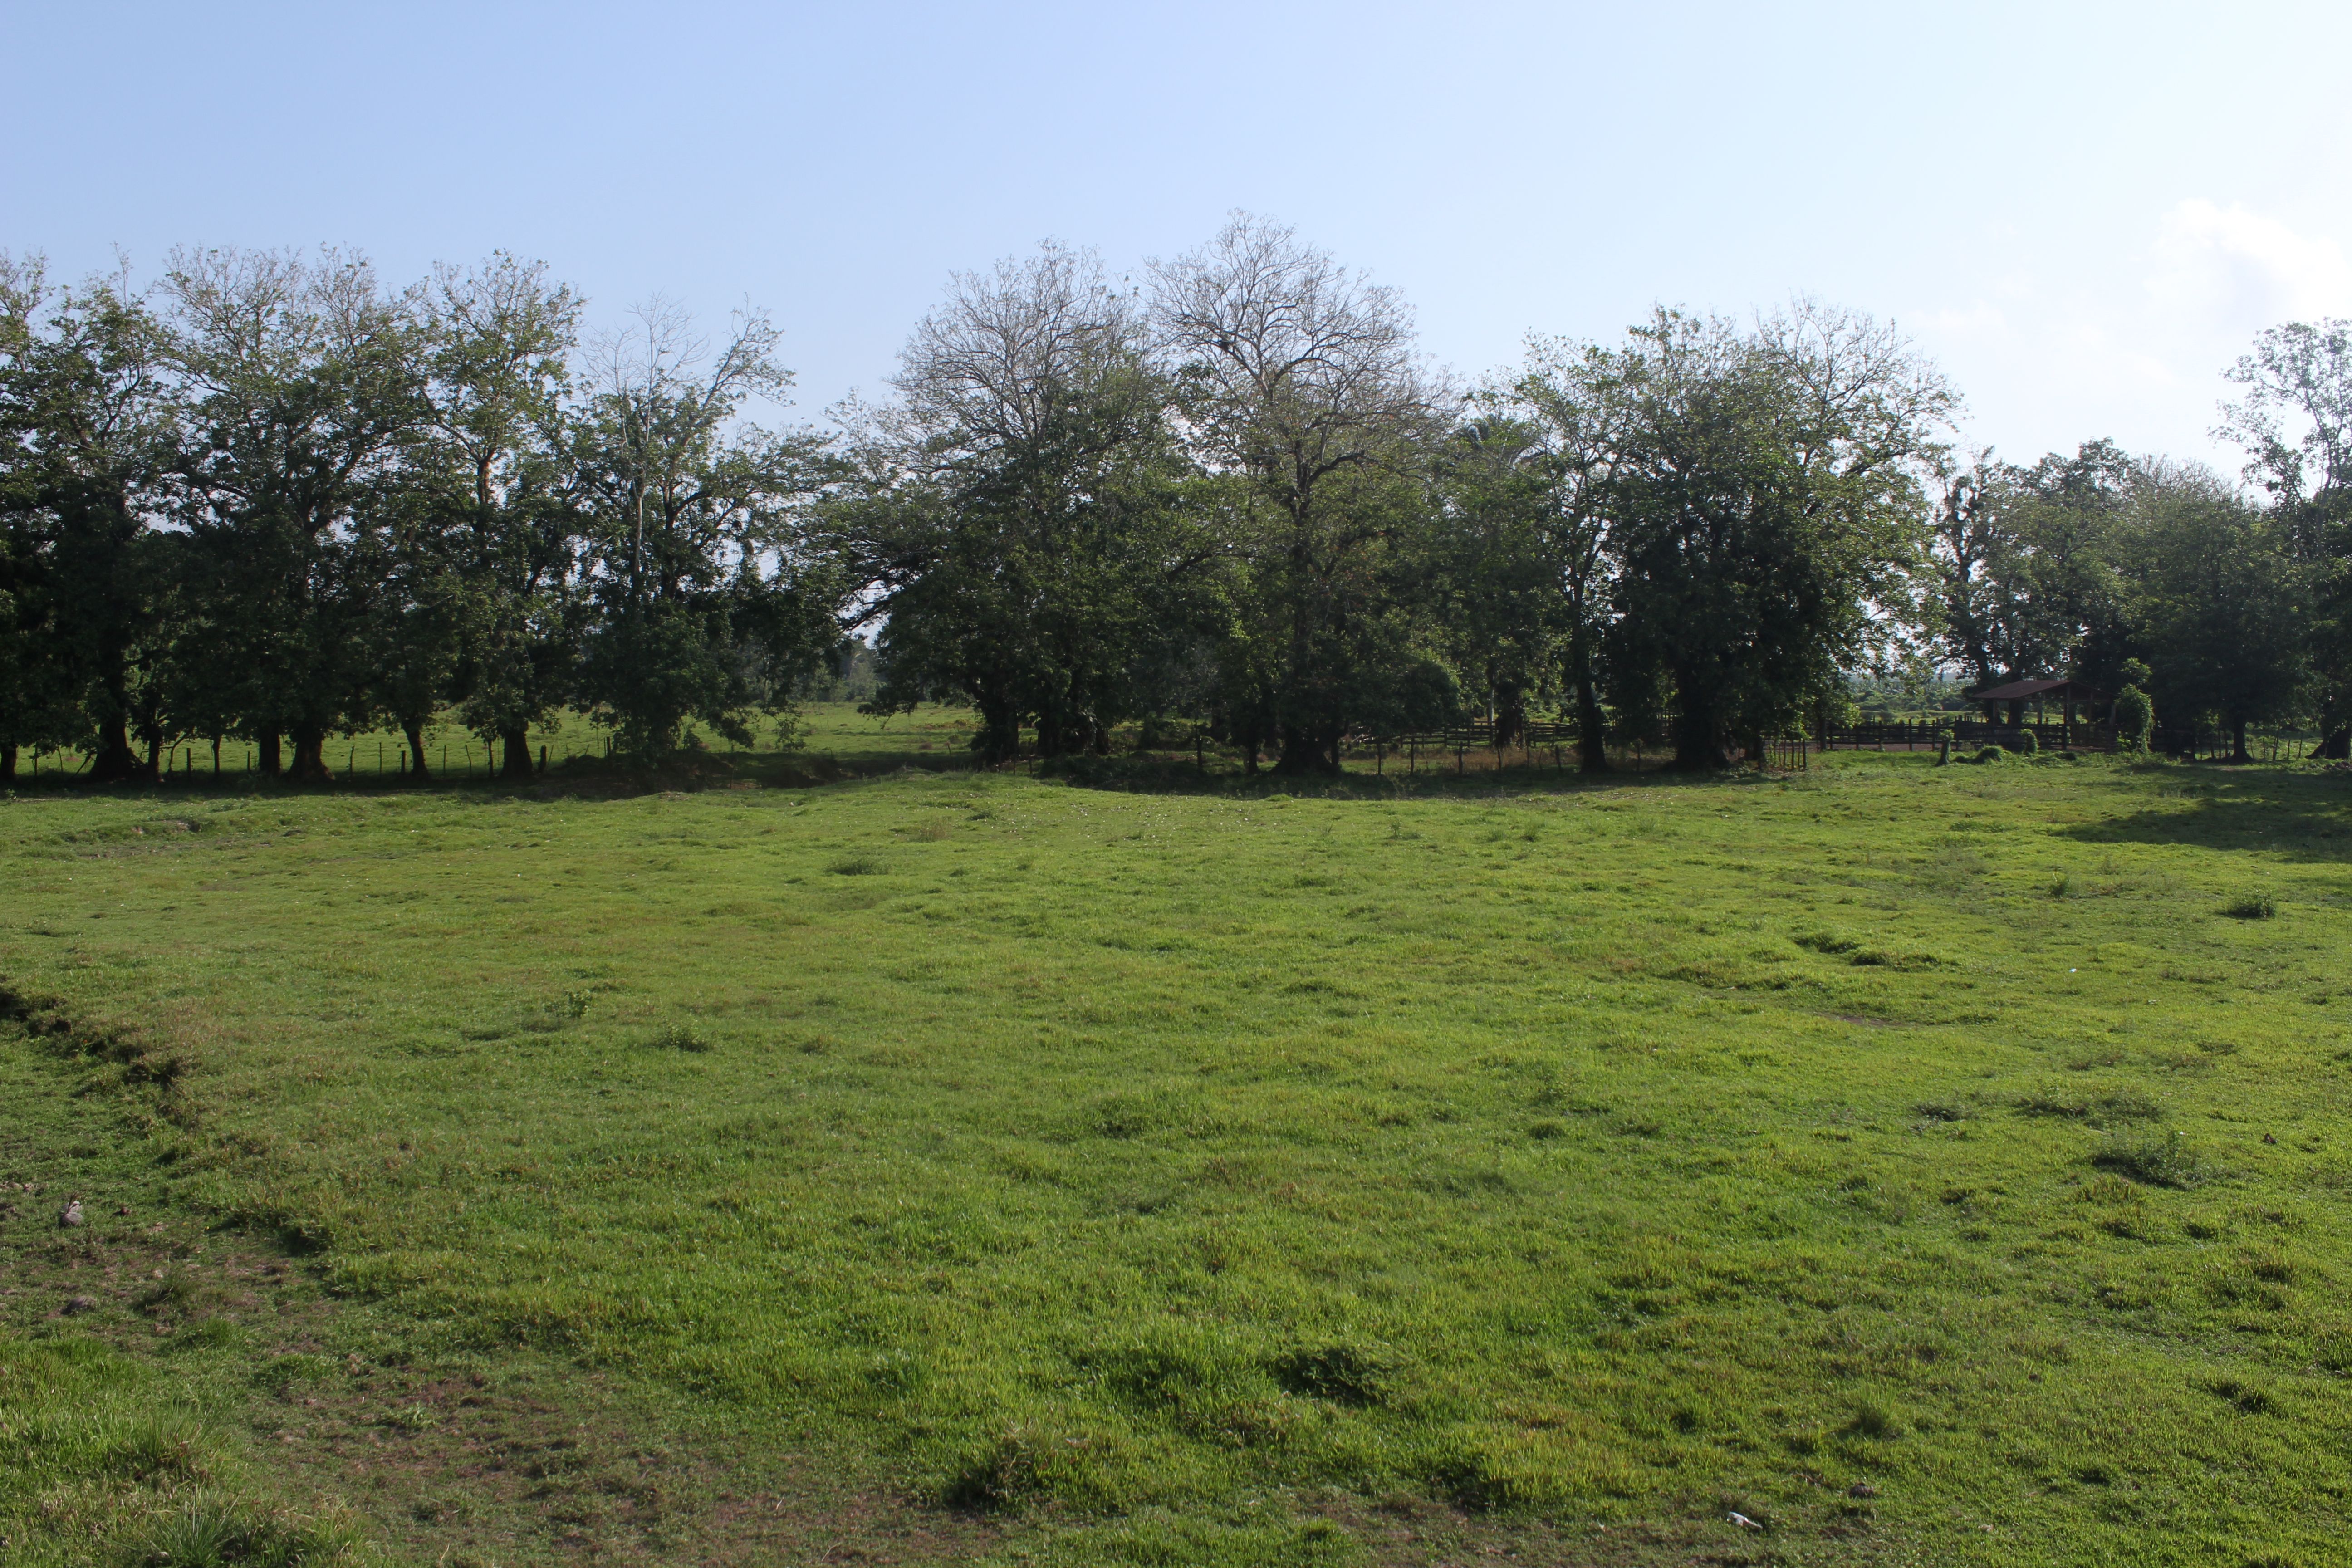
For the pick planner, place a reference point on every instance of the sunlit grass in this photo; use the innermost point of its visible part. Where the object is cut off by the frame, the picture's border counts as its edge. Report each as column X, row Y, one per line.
column 1637, row 1151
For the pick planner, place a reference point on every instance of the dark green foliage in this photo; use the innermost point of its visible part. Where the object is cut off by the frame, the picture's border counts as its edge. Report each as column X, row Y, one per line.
column 2252, row 907
column 88, row 587
column 2135, row 717
column 282, row 502
column 1032, row 535
column 1762, row 504
column 2023, row 564
column 2218, row 605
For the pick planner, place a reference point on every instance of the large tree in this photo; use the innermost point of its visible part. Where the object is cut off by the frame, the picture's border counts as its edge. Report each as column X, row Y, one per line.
column 87, row 428
column 491, row 613
column 1767, row 501
column 306, row 387
column 2022, row 581
column 2295, row 421
column 1571, row 397
column 1300, row 382
column 1027, row 525
column 707, row 607
column 2218, row 602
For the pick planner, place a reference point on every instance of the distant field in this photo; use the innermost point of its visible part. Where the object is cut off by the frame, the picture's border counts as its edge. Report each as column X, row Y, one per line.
column 832, row 731
column 1933, row 1165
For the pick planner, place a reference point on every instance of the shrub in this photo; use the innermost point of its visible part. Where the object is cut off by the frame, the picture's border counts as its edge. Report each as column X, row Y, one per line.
column 2135, row 719
column 2252, row 907
column 2028, row 743
column 1992, row 754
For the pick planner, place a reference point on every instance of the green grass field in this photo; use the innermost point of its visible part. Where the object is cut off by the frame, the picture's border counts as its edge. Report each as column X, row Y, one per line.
column 1933, row 1165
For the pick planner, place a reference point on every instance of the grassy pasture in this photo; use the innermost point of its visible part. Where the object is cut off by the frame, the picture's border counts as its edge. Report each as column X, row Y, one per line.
column 1923, row 1164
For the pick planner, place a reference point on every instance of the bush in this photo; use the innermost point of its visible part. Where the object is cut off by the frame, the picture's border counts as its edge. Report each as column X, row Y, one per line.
column 2135, row 719
column 2252, row 907
column 1992, row 754
column 2028, row 742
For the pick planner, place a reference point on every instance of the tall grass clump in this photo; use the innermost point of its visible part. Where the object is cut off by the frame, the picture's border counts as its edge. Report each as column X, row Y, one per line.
column 2158, row 1160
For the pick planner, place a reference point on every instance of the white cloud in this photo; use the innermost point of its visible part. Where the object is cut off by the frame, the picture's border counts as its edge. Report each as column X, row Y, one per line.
column 2238, row 271
column 2131, row 343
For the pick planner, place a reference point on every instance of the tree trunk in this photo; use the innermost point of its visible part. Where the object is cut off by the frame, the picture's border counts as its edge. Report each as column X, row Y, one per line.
column 998, row 741
column 1698, row 741
column 1304, row 755
column 311, row 754
column 2336, row 746
column 1591, row 727
column 2238, row 753
column 8, row 762
column 115, row 760
column 414, row 729
column 1510, row 717
column 518, row 745
column 271, row 765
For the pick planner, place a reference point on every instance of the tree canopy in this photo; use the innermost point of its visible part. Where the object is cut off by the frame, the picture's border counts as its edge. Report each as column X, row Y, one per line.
column 272, row 496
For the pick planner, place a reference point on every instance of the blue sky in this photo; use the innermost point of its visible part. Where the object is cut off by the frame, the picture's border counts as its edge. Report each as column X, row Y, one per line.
column 2082, row 211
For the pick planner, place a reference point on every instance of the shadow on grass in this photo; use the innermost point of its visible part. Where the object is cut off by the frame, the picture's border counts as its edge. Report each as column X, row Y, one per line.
column 1146, row 773
column 2306, row 815
column 1134, row 772
column 591, row 777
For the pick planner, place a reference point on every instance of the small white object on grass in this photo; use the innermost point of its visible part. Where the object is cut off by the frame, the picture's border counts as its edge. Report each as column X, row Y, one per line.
column 1743, row 1521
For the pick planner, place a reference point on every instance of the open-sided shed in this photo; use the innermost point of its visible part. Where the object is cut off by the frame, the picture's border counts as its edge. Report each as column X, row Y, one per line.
column 2067, row 694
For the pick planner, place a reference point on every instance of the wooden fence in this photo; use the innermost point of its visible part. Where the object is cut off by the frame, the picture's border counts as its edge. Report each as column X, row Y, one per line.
column 1916, row 735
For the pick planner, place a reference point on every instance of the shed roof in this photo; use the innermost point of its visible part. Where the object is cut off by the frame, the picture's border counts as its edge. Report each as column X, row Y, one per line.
column 2017, row 690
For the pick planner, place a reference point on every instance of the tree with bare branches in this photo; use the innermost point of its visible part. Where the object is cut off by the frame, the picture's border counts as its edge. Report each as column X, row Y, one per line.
column 1300, row 383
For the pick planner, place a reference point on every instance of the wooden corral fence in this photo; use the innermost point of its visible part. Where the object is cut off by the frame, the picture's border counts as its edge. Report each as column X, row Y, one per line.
column 1535, row 744
column 1916, row 735
column 1538, row 742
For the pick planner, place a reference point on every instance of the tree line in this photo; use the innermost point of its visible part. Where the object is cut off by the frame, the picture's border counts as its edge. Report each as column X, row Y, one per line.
column 273, row 498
